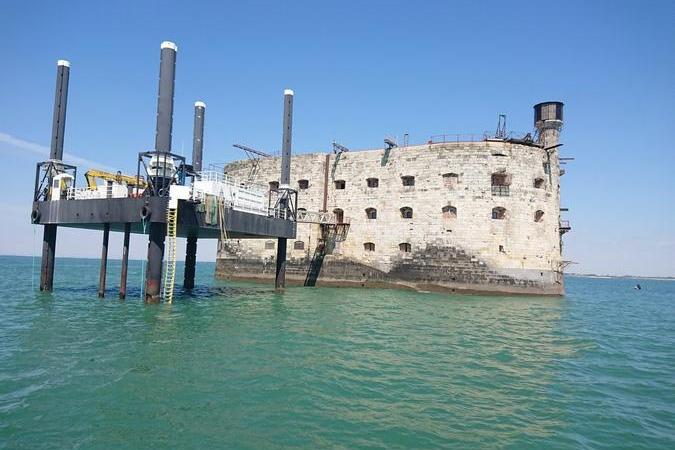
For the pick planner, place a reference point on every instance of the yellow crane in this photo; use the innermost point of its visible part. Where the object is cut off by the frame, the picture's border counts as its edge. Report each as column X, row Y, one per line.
column 93, row 174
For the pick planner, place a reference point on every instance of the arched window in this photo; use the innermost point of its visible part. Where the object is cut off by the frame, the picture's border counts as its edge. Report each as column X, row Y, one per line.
column 303, row 184
column 298, row 245
column 339, row 215
column 274, row 186
column 369, row 247
column 498, row 213
column 340, row 184
column 405, row 247
column 371, row 213
column 539, row 216
column 407, row 212
column 408, row 180
column 449, row 212
column 450, row 180
column 500, row 183
column 372, row 182
column 269, row 245
column 539, row 183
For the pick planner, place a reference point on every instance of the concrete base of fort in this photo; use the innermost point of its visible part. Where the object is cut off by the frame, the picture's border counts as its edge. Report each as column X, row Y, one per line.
column 345, row 272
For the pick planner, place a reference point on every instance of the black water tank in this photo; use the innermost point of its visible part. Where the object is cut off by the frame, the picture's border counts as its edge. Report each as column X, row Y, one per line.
column 548, row 111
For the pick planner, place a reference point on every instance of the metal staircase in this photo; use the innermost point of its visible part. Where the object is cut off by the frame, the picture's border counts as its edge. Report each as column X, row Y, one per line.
column 330, row 234
column 170, row 268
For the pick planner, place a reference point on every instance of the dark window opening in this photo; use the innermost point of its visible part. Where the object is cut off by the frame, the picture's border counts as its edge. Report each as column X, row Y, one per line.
column 373, row 182
column 498, row 213
column 539, row 183
column 339, row 215
column 369, row 247
column 539, row 216
column 501, row 249
column 371, row 213
column 500, row 184
column 303, row 184
column 340, row 184
column 405, row 247
column 298, row 245
column 274, row 186
column 408, row 180
column 449, row 212
column 547, row 168
column 407, row 212
column 269, row 245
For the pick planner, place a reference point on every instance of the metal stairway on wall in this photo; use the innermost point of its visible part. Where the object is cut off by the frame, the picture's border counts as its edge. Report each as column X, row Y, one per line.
column 330, row 234
column 170, row 268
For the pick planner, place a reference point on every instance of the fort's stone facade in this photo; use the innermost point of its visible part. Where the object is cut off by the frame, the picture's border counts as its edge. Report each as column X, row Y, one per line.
column 484, row 217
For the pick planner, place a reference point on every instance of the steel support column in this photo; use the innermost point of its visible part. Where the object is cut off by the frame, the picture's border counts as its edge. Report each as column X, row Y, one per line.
column 104, row 260
column 55, row 153
column 280, row 276
column 125, row 261
column 190, row 262
column 153, row 273
column 48, row 253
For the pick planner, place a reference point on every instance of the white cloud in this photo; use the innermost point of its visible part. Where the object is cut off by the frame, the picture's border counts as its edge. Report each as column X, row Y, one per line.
column 43, row 151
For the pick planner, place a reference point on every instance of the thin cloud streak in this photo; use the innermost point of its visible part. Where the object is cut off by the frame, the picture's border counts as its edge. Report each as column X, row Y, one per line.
column 44, row 151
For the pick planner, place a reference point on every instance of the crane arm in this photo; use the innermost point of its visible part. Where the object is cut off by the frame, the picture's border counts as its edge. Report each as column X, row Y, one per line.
column 92, row 174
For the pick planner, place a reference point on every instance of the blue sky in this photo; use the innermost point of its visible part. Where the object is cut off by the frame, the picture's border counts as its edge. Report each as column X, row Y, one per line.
column 360, row 70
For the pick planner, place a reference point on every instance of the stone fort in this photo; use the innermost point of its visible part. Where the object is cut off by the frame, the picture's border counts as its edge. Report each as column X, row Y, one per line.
column 474, row 216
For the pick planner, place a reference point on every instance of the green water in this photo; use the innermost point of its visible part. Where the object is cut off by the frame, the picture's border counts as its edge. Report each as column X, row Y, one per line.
column 239, row 366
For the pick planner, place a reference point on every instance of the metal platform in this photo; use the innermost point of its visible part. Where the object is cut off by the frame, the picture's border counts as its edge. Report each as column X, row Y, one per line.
column 93, row 214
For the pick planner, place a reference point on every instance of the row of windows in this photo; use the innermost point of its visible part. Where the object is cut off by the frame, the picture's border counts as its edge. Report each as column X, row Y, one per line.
column 404, row 247
column 500, row 182
column 449, row 212
column 367, row 246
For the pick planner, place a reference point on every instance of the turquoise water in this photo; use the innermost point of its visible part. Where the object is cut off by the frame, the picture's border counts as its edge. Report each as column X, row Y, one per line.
column 239, row 366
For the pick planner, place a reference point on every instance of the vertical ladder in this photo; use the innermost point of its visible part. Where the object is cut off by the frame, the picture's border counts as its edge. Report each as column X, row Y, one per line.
column 170, row 268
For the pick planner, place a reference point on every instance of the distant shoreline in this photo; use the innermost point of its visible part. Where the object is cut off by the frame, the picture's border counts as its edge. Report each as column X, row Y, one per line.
column 632, row 277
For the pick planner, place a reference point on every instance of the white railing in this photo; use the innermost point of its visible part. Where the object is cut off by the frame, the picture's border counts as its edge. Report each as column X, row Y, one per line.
column 84, row 193
column 242, row 196
column 87, row 193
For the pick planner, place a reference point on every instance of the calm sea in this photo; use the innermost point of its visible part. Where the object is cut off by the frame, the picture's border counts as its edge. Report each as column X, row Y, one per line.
column 236, row 365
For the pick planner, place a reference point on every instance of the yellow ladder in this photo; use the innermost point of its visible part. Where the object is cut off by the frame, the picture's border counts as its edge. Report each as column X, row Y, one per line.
column 170, row 268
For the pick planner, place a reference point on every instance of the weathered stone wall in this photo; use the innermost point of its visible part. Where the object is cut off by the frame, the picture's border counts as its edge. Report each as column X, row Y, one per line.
column 471, row 251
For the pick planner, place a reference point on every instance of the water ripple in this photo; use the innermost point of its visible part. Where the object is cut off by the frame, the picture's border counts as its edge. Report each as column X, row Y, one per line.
column 238, row 365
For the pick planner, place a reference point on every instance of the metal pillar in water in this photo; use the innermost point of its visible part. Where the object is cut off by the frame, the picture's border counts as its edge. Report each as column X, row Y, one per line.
column 197, row 148
column 285, row 179
column 190, row 262
column 48, row 253
column 125, row 262
column 104, row 260
column 56, row 153
column 167, row 76
column 153, row 272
